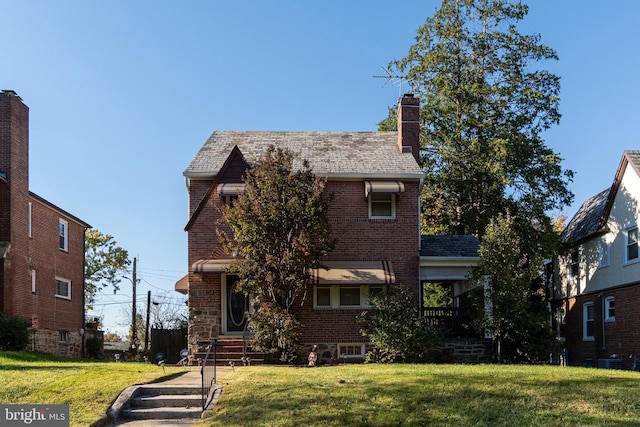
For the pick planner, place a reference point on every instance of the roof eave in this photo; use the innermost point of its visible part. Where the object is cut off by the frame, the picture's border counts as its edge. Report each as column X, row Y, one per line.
column 448, row 261
column 340, row 176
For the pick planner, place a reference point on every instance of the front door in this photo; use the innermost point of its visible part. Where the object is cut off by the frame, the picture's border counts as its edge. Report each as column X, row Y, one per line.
column 236, row 306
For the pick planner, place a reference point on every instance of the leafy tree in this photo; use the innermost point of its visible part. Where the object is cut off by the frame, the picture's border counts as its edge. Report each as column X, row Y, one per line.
column 395, row 331
column 279, row 230
column 484, row 108
column 104, row 264
column 511, row 265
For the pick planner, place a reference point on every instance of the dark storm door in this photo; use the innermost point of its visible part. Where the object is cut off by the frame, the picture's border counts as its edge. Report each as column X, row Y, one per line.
column 237, row 306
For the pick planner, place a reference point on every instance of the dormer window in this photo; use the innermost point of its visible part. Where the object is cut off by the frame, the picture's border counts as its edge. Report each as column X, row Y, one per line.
column 381, row 197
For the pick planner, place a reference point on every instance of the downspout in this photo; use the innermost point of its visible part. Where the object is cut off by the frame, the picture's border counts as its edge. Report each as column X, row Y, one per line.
column 602, row 315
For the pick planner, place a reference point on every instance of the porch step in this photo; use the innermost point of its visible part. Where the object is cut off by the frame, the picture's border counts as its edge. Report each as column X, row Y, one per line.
column 228, row 351
column 160, row 402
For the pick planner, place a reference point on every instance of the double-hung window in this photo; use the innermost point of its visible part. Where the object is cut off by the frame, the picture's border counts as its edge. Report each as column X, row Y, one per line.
column 63, row 228
column 63, row 288
column 604, row 258
column 382, row 206
column 345, row 297
column 610, row 309
column 588, row 321
column 632, row 245
column 382, row 197
column 574, row 263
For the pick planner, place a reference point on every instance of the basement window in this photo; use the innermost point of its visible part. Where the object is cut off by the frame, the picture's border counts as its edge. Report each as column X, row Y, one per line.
column 351, row 351
column 63, row 337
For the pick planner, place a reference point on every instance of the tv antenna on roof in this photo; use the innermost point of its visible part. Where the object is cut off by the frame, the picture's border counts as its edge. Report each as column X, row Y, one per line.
column 397, row 80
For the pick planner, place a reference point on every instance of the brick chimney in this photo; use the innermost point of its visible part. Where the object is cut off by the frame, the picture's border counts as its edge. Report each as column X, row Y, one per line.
column 409, row 125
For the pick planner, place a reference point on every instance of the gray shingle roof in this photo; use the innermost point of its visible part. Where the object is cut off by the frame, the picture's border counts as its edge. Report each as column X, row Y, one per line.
column 449, row 246
column 586, row 221
column 334, row 154
column 634, row 156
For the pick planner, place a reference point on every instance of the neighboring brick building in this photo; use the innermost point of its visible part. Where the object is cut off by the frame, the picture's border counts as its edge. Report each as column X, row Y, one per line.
column 41, row 246
column 375, row 180
column 596, row 285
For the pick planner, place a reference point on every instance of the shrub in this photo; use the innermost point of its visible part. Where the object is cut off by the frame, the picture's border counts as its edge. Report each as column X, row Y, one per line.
column 396, row 332
column 93, row 346
column 14, row 333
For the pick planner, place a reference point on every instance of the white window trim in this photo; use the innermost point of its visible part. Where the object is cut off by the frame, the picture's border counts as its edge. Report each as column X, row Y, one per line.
column 585, row 308
column 33, row 281
column 29, row 220
column 65, row 247
column 607, row 306
column 393, row 207
column 626, row 245
column 68, row 282
column 335, row 297
column 63, row 337
column 342, row 346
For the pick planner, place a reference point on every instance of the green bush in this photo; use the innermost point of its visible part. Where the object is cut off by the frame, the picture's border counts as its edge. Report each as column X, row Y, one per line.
column 14, row 333
column 396, row 332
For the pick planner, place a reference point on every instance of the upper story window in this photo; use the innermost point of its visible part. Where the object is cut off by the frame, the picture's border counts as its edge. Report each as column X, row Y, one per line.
column 588, row 321
column 63, row 288
column 574, row 263
column 603, row 253
column 229, row 192
column 381, row 197
column 610, row 309
column 382, row 206
column 63, row 227
column 631, row 244
column 29, row 218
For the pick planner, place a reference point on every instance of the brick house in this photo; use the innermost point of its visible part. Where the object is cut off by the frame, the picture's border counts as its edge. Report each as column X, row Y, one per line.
column 41, row 246
column 375, row 180
column 596, row 284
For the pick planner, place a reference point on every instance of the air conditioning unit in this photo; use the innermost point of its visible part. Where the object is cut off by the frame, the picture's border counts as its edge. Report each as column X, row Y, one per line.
column 610, row 363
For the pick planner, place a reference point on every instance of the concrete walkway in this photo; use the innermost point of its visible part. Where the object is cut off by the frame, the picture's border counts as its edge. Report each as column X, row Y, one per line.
column 190, row 377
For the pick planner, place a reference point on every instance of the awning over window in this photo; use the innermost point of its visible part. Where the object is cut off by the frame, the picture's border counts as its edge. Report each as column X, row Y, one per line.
column 230, row 189
column 211, row 266
column 385, row 187
column 354, row 272
column 182, row 285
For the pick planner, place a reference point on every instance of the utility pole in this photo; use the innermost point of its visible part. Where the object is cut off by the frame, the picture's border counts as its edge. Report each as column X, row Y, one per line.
column 134, row 334
column 146, row 335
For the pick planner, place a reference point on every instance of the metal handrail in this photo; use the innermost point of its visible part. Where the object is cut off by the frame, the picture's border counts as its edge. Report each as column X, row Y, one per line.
column 208, row 380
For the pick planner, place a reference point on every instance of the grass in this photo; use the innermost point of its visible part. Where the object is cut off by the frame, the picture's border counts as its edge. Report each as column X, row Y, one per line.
column 88, row 387
column 427, row 395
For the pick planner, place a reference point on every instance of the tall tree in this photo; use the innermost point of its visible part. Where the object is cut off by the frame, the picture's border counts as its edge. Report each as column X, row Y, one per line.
column 279, row 230
column 511, row 254
column 484, row 108
column 104, row 264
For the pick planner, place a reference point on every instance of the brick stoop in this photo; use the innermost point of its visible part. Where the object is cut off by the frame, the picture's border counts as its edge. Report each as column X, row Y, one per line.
column 229, row 351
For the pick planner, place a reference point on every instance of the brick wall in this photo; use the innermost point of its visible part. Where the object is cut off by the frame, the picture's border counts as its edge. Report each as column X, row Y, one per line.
column 40, row 252
column 359, row 239
column 621, row 337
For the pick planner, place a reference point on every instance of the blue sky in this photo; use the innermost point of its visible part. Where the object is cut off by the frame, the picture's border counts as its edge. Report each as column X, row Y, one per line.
column 123, row 94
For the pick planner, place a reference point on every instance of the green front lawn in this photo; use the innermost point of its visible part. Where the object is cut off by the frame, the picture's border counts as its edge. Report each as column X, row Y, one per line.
column 427, row 395
column 89, row 387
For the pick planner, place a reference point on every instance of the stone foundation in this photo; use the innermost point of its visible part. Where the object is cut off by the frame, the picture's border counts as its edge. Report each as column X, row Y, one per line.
column 467, row 351
column 48, row 341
